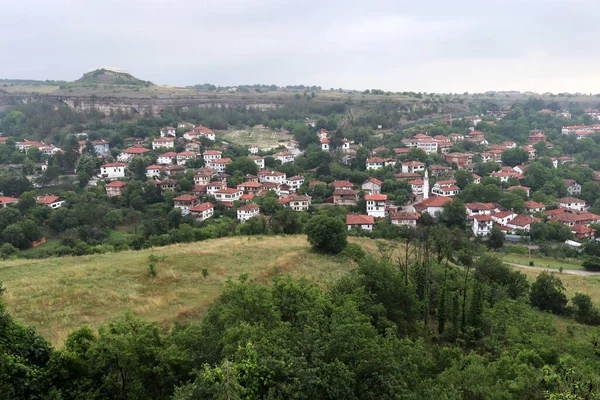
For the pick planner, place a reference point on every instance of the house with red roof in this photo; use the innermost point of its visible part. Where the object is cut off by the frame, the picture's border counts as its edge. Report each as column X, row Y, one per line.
column 228, row 195
column 375, row 163
column 357, row 221
column 372, row 186
column 184, row 157
column 166, row 158
column 503, row 217
column 163, row 143
column 572, row 186
column 376, row 205
column 482, row 225
column 247, row 211
column 115, row 188
column 583, row 232
column 285, row 157
column 432, row 205
column 113, row 170
column 134, row 151
column 5, row 201
column 521, row 222
column 51, row 201
column 219, row 164
column 480, row 208
column 185, row 202
column 446, row 188
column 202, row 211
column 210, row 155
column 258, row 160
column 533, row 206
column 325, row 144
column 417, row 186
column 168, row 131
column 296, row 202
column 405, row 218
column 572, row 203
column 413, row 167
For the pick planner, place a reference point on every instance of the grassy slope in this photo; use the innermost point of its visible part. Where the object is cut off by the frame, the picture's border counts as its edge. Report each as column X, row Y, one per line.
column 59, row 295
column 541, row 261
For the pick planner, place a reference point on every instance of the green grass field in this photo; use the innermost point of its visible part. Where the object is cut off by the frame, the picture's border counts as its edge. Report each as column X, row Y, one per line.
column 58, row 295
column 541, row 261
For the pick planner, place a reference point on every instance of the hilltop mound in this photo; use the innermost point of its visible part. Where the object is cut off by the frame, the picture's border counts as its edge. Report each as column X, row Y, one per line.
column 112, row 76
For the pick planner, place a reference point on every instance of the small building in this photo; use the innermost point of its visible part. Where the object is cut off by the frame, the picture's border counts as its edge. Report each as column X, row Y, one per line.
column 184, row 157
column 345, row 197
column 219, row 165
column 5, row 201
column 325, row 144
column 253, row 149
column 115, row 188
column 533, row 206
column 185, row 202
column 572, row 186
column 228, row 195
column 295, row 182
column 153, row 171
column 375, row 163
column 284, row 157
column 210, row 155
column 258, row 160
column 163, row 143
column 135, row 151
column 357, row 221
column 296, row 202
column 202, row 211
column 168, row 131
column 247, row 211
column 113, row 170
column 376, row 205
column 432, row 205
column 166, row 158
column 413, row 167
column 572, row 203
column 405, row 218
column 372, row 186
column 51, row 201
column 482, row 225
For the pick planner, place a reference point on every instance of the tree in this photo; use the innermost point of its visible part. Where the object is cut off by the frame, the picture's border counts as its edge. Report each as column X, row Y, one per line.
column 463, row 177
column 327, row 234
column 454, row 214
column 138, row 167
column 514, row 157
column 113, row 218
column 547, row 293
column 86, row 165
column 243, row 164
column 496, row 240
column 286, row 221
column 14, row 235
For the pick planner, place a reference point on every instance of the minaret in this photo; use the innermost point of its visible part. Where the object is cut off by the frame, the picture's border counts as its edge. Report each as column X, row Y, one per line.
column 426, row 185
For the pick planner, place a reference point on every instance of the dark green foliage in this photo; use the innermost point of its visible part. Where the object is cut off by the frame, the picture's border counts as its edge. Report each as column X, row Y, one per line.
column 326, row 234
column 496, row 240
column 547, row 293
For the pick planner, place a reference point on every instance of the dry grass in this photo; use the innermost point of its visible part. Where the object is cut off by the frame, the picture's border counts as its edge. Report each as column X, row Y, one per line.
column 263, row 138
column 58, row 295
column 573, row 283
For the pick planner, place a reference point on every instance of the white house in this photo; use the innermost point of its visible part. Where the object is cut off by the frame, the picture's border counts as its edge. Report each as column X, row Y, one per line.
column 295, row 182
column 113, row 170
column 210, row 155
column 154, row 170
column 51, row 201
column 413, row 167
column 228, row 195
column 417, row 186
column 446, row 188
column 163, row 143
column 372, row 186
column 253, row 149
column 325, row 144
column 285, row 157
column 167, row 131
column 357, row 221
column 273, row 177
column 572, row 186
column 297, row 202
column 405, row 218
column 185, row 156
column 247, row 211
column 482, row 225
column 376, row 205
column 375, row 163
column 572, row 203
column 166, row 158
column 202, row 211
column 219, row 164
column 185, row 202
column 258, row 160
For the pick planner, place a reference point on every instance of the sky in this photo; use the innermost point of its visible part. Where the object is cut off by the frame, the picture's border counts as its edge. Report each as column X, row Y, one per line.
column 430, row 46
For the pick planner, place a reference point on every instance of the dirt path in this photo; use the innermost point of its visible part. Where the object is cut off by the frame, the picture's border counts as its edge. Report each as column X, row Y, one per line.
column 565, row 271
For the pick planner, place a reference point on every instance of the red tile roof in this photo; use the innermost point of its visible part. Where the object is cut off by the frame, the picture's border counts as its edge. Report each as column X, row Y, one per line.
column 249, row 207
column 186, row 197
column 202, row 207
column 376, row 197
column 116, row 184
column 401, row 215
column 48, row 199
column 356, row 219
column 116, row 164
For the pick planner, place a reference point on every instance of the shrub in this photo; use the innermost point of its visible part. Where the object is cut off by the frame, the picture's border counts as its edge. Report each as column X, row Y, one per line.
column 531, row 263
column 327, row 234
column 354, row 252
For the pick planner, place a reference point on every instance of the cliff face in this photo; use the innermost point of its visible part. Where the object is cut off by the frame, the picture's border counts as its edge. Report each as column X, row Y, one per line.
column 129, row 104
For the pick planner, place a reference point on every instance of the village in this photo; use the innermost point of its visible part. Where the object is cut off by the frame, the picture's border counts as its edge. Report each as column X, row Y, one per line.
column 432, row 185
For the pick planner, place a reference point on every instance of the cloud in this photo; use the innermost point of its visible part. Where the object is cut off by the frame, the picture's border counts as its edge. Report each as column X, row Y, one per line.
column 465, row 45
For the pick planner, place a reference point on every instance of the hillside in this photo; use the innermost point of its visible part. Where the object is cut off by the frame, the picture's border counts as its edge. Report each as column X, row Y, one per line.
column 112, row 76
column 59, row 295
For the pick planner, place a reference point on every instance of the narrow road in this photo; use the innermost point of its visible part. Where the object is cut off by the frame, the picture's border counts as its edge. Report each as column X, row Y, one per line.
column 565, row 271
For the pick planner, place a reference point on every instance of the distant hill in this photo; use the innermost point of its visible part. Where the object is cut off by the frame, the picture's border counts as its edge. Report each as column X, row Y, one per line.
column 111, row 76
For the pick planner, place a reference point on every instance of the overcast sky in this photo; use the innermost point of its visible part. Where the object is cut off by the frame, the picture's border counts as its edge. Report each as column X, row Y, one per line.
column 432, row 46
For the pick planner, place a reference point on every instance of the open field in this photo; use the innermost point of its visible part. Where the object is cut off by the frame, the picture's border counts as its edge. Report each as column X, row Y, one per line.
column 573, row 283
column 260, row 136
column 58, row 295
column 541, row 261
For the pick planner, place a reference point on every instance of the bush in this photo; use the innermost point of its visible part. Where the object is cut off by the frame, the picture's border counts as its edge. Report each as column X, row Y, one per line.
column 354, row 252
column 531, row 263
column 327, row 234
column 547, row 293
column 7, row 250
column 591, row 263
